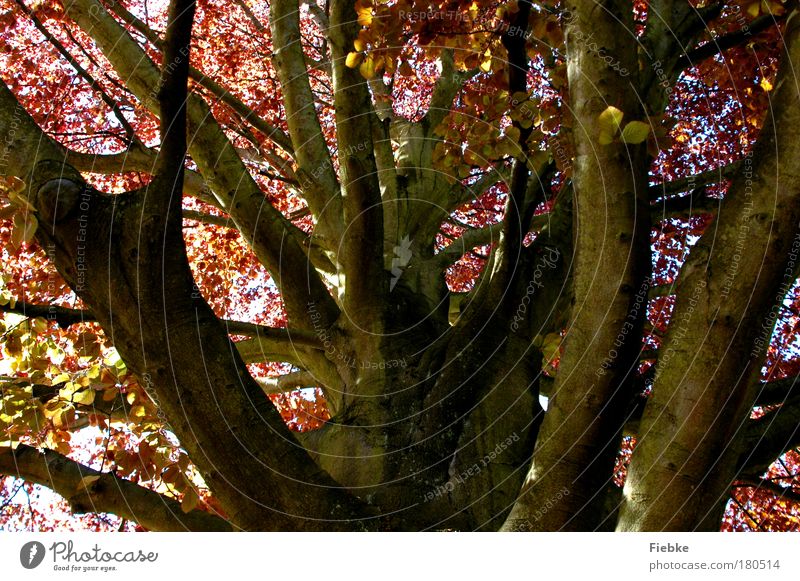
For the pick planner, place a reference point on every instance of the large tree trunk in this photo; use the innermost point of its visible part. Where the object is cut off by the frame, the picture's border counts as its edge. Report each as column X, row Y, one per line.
column 436, row 423
column 684, row 464
column 578, row 440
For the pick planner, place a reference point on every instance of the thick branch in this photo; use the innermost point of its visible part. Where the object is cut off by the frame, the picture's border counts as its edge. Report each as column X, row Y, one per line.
column 66, row 316
column 581, row 429
column 478, row 237
column 725, row 291
column 315, row 167
column 135, row 159
column 726, row 41
column 712, row 176
column 23, row 145
column 461, row 194
column 63, row 316
column 170, row 338
column 362, row 260
column 172, row 95
column 205, row 218
column 782, row 492
column 447, row 86
column 470, row 239
column 318, row 14
column 777, row 391
column 517, row 214
column 673, row 27
column 300, row 348
column 104, row 492
column 288, row 382
column 693, row 204
column 768, row 437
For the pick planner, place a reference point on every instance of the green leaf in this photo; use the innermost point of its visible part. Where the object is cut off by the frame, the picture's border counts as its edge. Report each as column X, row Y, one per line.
column 84, row 397
column 519, row 97
column 609, row 122
column 635, row 132
column 62, row 378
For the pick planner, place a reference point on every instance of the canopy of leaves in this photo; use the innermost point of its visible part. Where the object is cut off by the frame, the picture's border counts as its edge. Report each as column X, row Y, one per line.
column 63, row 385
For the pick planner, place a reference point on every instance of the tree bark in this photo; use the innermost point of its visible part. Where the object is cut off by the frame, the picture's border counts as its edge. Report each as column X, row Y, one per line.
column 89, row 490
column 124, row 256
column 580, row 433
column 683, row 462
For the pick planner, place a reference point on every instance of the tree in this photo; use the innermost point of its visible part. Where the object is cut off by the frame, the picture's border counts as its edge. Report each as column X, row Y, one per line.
column 461, row 229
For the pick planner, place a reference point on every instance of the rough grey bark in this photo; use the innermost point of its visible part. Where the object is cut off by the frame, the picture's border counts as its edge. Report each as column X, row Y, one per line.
column 445, row 439
column 683, row 461
column 581, row 429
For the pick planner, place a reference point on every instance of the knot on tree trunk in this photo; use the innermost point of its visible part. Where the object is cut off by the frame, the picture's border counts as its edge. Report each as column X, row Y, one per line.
column 56, row 190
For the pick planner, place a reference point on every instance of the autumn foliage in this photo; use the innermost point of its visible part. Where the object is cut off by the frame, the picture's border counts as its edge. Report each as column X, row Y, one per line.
column 63, row 384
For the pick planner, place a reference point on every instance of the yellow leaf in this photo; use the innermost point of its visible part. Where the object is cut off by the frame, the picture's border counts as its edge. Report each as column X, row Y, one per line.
column 367, row 68
column 776, row 8
column 67, row 390
column 354, row 59
column 365, row 16
column 635, row 132
column 39, row 325
column 19, row 200
column 170, row 475
column 11, row 184
column 537, row 160
column 64, row 377
column 31, row 223
column 138, row 411
column 84, row 397
column 519, row 97
column 473, row 158
column 766, row 85
column 550, row 345
column 486, row 65
column 608, row 122
column 190, row 500
column 512, row 133
column 379, row 63
column 64, row 417
column 754, row 9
